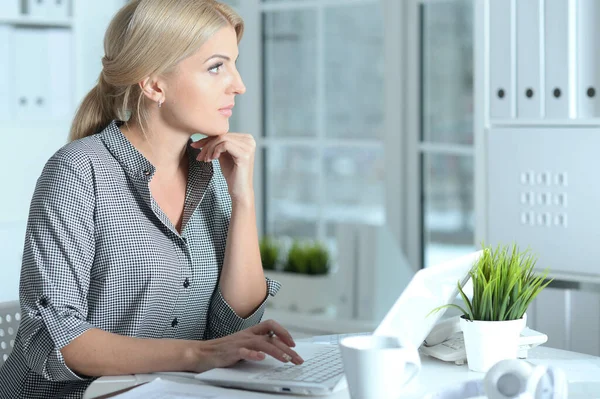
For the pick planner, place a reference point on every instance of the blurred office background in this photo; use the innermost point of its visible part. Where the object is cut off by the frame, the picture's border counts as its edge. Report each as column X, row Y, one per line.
column 371, row 120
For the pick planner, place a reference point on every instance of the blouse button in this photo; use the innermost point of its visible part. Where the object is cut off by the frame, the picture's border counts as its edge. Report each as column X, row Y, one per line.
column 44, row 302
column 146, row 173
column 186, row 283
column 174, row 323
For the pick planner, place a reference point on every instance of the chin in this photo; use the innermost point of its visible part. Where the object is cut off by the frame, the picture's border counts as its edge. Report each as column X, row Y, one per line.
column 215, row 130
column 221, row 130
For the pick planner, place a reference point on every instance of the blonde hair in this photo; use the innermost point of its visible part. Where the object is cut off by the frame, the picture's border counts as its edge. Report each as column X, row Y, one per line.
column 146, row 37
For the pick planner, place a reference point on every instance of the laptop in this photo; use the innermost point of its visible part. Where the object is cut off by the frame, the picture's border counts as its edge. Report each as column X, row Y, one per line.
column 410, row 319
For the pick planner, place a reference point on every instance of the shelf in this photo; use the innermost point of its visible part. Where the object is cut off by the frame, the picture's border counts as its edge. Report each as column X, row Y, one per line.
column 590, row 122
column 566, row 276
column 37, row 21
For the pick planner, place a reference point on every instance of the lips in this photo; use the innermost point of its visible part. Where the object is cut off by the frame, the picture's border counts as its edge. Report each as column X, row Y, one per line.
column 226, row 111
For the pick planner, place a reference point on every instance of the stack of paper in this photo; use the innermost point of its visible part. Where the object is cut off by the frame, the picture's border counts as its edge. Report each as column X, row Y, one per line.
column 166, row 389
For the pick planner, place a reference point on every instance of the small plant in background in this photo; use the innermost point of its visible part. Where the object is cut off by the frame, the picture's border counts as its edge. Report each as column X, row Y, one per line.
column 269, row 253
column 318, row 259
column 504, row 284
column 296, row 259
column 307, row 258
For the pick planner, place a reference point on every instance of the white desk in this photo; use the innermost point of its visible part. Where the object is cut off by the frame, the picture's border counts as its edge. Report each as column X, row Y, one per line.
column 434, row 376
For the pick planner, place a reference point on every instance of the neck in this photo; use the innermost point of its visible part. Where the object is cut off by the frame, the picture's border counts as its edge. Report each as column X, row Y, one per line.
column 164, row 147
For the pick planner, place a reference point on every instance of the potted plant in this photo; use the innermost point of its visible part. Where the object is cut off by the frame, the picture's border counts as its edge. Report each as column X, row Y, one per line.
column 504, row 284
column 304, row 273
column 307, row 258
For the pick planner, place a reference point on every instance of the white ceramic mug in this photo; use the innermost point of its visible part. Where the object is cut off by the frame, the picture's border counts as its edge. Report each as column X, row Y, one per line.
column 378, row 366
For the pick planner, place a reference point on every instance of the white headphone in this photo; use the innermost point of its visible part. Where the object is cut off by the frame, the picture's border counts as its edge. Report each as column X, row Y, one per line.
column 512, row 379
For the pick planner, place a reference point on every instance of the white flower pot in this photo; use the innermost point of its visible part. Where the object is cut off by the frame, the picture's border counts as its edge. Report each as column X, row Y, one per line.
column 488, row 342
column 302, row 293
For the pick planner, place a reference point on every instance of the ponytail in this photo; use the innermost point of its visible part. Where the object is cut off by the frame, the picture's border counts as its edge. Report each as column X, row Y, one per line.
column 95, row 112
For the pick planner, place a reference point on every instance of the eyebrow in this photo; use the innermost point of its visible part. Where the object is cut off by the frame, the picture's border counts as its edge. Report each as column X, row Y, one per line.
column 226, row 58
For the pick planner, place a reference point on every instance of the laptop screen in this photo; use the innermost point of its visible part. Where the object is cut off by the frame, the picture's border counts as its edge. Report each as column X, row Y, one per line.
column 410, row 319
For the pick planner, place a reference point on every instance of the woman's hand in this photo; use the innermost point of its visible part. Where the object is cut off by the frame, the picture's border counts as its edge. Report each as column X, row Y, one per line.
column 235, row 152
column 253, row 343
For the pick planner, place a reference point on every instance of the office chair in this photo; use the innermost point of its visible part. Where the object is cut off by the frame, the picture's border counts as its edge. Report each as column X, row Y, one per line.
column 10, row 317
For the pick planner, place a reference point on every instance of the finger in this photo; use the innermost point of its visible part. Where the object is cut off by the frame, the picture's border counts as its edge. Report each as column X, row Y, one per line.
column 268, row 346
column 248, row 354
column 206, row 151
column 246, row 141
column 281, row 332
column 202, row 154
column 232, row 148
column 217, row 150
column 203, row 141
column 243, row 137
column 292, row 355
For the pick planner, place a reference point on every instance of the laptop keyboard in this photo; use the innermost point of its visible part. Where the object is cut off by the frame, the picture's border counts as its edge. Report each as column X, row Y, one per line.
column 325, row 365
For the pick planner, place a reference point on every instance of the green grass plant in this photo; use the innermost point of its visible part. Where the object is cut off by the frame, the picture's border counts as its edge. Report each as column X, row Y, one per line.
column 308, row 258
column 504, row 285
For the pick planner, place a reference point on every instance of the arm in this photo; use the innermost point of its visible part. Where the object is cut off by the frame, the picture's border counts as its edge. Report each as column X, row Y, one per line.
column 225, row 318
column 99, row 353
column 57, row 258
column 58, row 341
column 242, row 282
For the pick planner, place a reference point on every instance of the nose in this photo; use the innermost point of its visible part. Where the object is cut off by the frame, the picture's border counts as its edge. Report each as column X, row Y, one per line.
column 237, row 84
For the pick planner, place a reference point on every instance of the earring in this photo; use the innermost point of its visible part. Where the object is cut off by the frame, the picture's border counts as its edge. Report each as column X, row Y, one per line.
column 159, row 103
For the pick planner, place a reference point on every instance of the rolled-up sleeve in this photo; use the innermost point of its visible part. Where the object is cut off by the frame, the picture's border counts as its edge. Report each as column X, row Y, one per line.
column 57, row 258
column 224, row 321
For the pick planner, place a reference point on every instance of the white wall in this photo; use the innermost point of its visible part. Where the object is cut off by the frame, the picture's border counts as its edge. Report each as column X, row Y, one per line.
column 27, row 145
column 19, row 169
column 11, row 249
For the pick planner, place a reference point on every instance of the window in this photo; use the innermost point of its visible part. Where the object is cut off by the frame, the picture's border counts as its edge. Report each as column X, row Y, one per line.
column 323, row 116
column 446, row 134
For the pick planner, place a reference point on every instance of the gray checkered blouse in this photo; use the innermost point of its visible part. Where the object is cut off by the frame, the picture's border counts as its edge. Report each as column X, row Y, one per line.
column 99, row 253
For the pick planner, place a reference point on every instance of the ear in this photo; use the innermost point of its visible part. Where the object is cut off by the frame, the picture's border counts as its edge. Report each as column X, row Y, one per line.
column 153, row 88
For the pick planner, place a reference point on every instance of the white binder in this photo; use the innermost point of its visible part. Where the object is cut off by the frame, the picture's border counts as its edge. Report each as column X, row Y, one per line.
column 559, row 93
column 58, row 9
column 588, row 59
column 59, row 69
column 502, row 58
column 31, row 75
column 37, row 8
column 10, row 8
column 6, row 90
column 529, row 82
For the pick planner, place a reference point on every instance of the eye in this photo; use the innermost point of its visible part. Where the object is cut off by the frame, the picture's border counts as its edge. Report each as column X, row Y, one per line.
column 215, row 68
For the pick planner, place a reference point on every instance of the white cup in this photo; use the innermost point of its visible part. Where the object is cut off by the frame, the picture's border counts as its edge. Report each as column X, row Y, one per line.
column 378, row 366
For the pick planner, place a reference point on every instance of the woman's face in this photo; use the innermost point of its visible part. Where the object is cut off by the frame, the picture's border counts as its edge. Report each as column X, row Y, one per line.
column 200, row 94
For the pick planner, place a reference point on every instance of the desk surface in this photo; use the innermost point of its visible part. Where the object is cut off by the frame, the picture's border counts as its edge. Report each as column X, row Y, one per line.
column 583, row 372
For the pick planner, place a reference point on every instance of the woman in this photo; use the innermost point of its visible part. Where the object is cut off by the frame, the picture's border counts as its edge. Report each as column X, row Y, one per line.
column 141, row 250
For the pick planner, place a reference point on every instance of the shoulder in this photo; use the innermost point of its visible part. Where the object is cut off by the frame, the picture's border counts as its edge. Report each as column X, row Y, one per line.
column 79, row 152
column 73, row 162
